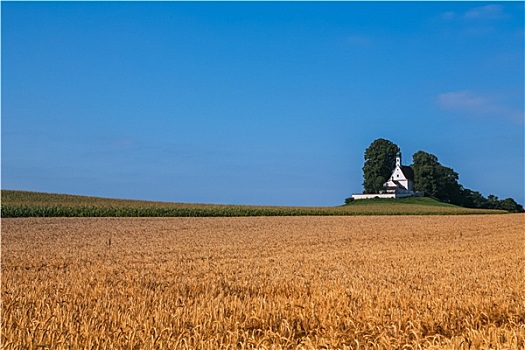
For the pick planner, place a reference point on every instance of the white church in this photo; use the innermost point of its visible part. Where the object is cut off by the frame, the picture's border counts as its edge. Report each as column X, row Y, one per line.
column 399, row 185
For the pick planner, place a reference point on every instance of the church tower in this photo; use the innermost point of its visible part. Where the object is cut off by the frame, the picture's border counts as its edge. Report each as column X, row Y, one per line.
column 398, row 159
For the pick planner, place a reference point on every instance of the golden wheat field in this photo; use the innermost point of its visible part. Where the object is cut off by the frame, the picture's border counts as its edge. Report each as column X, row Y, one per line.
column 382, row 282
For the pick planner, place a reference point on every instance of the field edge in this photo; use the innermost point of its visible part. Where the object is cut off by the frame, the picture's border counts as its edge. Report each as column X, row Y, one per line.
column 17, row 203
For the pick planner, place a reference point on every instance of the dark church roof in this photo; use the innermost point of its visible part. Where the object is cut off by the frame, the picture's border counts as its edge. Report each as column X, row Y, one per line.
column 409, row 173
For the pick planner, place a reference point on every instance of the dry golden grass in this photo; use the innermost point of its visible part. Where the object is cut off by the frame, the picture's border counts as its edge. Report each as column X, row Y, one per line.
column 439, row 282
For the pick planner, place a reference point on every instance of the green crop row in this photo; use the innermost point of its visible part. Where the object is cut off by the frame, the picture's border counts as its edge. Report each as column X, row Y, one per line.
column 9, row 211
column 37, row 204
column 12, row 211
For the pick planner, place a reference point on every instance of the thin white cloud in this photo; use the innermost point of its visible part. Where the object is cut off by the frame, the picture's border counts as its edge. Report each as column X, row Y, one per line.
column 477, row 21
column 358, row 40
column 123, row 143
column 476, row 105
column 485, row 12
column 449, row 15
column 462, row 100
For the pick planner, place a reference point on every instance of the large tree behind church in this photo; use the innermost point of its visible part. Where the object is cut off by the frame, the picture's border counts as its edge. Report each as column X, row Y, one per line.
column 435, row 179
column 380, row 160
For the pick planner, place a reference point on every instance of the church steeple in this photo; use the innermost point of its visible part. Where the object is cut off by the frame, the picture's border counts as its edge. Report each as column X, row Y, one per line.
column 398, row 159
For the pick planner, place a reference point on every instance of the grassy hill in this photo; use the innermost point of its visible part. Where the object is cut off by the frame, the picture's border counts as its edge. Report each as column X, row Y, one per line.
column 39, row 204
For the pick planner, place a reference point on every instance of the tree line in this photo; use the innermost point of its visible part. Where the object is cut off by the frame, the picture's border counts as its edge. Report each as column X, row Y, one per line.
column 430, row 176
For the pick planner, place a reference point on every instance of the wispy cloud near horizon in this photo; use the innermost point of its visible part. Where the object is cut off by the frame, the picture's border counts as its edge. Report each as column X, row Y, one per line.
column 477, row 21
column 486, row 12
column 465, row 100
column 358, row 40
column 478, row 105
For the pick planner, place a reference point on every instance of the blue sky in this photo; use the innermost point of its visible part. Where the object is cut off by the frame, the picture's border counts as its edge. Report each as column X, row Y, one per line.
column 257, row 102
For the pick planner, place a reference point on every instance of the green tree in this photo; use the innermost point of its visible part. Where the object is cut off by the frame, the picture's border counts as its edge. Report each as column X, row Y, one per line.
column 449, row 190
column 510, row 205
column 380, row 160
column 472, row 199
column 492, row 202
column 424, row 166
column 434, row 179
